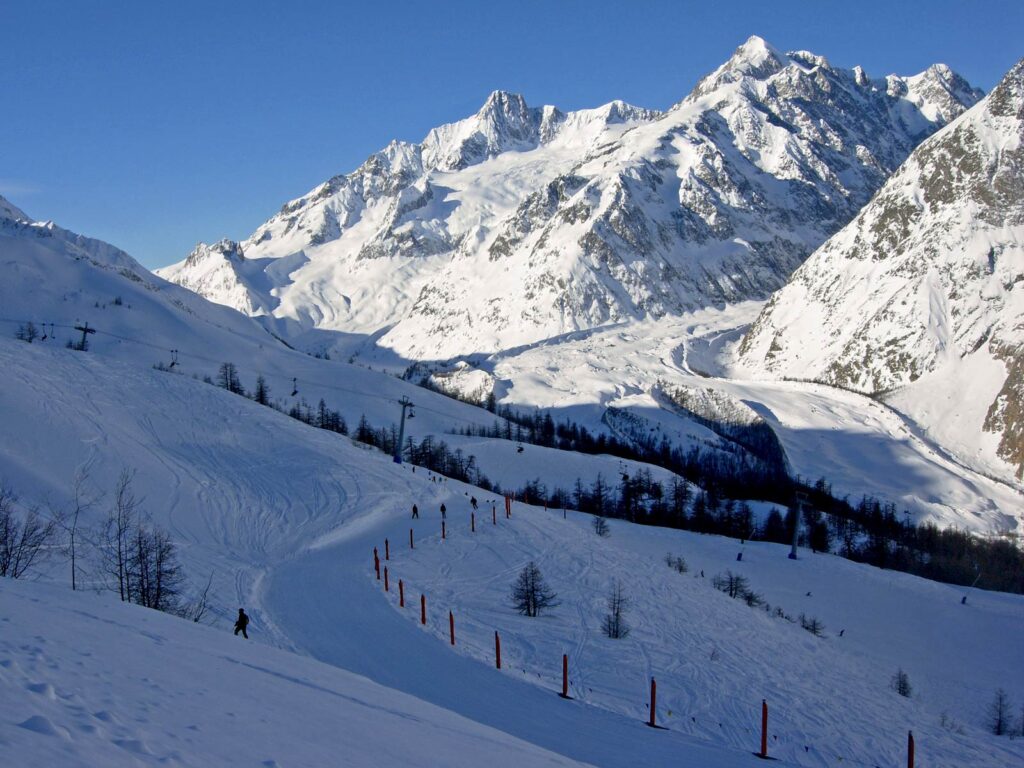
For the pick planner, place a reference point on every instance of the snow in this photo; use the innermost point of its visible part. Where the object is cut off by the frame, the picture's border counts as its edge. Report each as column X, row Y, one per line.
column 919, row 295
column 521, row 224
column 285, row 518
column 88, row 681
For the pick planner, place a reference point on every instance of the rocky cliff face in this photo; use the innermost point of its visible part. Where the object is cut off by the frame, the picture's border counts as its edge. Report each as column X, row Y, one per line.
column 925, row 288
column 520, row 224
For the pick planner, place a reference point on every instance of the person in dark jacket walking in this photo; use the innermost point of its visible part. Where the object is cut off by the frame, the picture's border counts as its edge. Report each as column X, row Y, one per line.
column 444, row 509
column 472, row 501
column 241, row 623
column 415, row 512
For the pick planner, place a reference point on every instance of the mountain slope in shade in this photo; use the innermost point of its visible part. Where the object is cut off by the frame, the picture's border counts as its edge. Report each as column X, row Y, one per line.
column 520, row 224
column 923, row 293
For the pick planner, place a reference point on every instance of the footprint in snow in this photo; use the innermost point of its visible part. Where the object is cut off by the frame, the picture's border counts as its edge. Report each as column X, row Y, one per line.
column 43, row 689
column 135, row 746
column 43, row 726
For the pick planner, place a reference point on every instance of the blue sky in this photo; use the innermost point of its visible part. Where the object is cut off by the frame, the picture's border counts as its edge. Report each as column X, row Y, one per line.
column 156, row 125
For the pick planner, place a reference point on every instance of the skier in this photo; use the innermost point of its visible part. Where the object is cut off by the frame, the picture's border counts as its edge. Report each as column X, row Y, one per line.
column 415, row 512
column 472, row 501
column 444, row 509
column 242, row 623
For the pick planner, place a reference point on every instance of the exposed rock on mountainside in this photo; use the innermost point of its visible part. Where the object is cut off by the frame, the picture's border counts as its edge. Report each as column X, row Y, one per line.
column 520, row 224
column 924, row 288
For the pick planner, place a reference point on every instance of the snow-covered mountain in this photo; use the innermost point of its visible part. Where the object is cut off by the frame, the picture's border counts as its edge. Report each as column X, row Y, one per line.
column 520, row 224
column 923, row 293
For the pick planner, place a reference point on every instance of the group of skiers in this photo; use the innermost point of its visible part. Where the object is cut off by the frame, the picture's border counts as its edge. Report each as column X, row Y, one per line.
column 444, row 510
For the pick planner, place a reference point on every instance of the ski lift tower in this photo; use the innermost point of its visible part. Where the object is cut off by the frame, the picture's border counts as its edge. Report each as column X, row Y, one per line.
column 801, row 500
column 406, row 403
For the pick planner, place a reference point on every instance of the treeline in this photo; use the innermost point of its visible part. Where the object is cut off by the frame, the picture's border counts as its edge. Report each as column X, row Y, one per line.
column 735, row 473
column 869, row 531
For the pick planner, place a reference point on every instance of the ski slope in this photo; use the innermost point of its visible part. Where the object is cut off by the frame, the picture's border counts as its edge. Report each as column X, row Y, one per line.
column 714, row 658
column 285, row 517
column 88, row 681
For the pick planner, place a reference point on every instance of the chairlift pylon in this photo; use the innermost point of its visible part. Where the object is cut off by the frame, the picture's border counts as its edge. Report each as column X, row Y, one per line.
column 174, row 359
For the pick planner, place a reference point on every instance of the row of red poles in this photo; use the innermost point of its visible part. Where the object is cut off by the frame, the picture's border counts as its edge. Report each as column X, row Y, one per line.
column 652, row 720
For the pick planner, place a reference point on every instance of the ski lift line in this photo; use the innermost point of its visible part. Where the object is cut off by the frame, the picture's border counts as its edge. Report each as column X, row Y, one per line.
column 211, row 361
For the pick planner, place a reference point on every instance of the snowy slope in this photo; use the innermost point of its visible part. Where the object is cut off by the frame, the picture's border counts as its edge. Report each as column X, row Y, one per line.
column 714, row 658
column 606, row 380
column 921, row 293
column 520, row 224
column 119, row 685
column 855, row 442
column 286, row 516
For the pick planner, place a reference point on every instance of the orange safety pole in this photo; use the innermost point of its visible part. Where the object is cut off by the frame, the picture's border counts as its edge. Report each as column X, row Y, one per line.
column 423, row 609
column 401, row 594
column 451, row 626
column 386, row 587
column 387, row 550
column 497, row 651
column 910, row 749
column 565, row 677
column 411, row 545
column 376, row 563
column 472, row 522
column 494, row 515
column 764, row 728
column 442, row 529
column 654, row 699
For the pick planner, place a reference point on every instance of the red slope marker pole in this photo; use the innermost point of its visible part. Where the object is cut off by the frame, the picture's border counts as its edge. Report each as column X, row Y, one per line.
column 387, row 550
column 376, row 563
column 411, row 545
column 764, row 729
column 910, row 749
column 497, row 651
column 423, row 609
column 401, row 594
column 442, row 529
column 565, row 677
column 494, row 515
column 654, row 700
column 472, row 522
column 386, row 587
column 451, row 626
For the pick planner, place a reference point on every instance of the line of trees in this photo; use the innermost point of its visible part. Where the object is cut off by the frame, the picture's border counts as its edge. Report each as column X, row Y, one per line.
column 123, row 552
column 706, row 494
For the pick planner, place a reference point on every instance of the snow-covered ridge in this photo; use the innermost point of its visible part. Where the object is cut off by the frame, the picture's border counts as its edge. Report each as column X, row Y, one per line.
column 524, row 223
column 921, row 295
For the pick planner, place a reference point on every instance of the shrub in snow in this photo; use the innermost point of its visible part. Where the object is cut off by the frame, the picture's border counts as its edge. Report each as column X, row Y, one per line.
column 24, row 539
column 731, row 583
column 812, row 625
column 530, row 593
column 999, row 713
column 676, row 562
column 900, row 683
column 614, row 623
column 601, row 526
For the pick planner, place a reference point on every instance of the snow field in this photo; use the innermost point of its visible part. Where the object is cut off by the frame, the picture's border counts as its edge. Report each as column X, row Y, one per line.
column 88, row 681
column 714, row 659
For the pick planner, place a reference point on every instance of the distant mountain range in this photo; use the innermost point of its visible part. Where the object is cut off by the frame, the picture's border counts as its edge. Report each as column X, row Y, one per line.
column 522, row 223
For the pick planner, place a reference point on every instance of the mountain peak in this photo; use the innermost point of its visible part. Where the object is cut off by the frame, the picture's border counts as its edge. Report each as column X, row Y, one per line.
column 503, row 101
column 10, row 211
column 757, row 57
